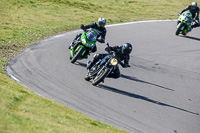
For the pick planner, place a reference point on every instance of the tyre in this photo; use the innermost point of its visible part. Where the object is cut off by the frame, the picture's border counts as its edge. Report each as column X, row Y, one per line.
column 77, row 55
column 99, row 78
column 179, row 29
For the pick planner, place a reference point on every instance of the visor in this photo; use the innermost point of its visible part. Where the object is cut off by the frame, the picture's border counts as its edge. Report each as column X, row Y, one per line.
column 102, row 24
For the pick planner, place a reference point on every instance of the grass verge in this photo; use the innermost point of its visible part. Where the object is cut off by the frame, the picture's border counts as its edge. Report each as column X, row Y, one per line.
column 24, row 22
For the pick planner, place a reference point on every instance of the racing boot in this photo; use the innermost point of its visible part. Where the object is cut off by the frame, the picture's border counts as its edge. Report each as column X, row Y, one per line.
column 89, row 64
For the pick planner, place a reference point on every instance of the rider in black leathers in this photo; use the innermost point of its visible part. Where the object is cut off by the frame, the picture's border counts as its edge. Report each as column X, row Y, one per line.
column 99, row 25
column 122, row 53
column 194, row 10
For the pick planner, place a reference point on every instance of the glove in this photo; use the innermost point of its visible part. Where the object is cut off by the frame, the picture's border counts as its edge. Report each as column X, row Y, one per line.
column 82, row 27
column 108, row 49
column 112, row 53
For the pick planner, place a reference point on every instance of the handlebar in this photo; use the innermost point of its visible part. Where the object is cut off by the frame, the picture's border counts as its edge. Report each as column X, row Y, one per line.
column 107, row 44
column 110, row 51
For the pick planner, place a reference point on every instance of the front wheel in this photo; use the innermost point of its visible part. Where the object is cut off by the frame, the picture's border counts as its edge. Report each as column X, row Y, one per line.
column 77, row 55
column 179, row 29
column 99, row 78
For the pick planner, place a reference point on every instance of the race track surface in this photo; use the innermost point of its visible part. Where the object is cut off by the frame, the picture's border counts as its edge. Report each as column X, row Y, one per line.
column 159, row 93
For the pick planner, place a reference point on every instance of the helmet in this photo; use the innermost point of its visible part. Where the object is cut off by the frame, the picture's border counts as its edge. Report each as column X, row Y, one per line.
column 126, row 48
column 101, row 22
column 194, row 4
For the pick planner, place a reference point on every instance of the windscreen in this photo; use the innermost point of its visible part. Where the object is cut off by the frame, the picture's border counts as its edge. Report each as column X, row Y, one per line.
column 91, row 35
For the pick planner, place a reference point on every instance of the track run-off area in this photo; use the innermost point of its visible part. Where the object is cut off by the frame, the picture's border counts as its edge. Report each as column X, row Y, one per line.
column 159, row 93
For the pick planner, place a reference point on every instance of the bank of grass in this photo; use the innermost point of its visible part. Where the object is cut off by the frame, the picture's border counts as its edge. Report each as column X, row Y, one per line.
column 24, row 22
column 24, row 112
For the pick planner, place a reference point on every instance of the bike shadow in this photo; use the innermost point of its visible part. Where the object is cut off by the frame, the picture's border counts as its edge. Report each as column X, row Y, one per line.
column 190, row 37
column 136, row 96
column 142, row 81
column 81, row 64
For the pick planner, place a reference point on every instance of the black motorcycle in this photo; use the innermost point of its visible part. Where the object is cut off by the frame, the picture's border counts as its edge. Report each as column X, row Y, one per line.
column 102, row 68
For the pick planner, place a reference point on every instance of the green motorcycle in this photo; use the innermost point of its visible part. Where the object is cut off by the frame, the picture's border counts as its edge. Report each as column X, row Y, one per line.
column 83, row 44
column 184, row 23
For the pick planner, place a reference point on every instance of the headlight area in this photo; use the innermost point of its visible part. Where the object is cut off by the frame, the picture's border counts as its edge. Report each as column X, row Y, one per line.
column 114, row 62
column 83, row 40
column 90, row 45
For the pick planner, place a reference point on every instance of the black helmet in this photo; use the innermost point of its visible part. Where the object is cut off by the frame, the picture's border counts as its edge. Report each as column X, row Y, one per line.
column 126, row 48
column 101, row 22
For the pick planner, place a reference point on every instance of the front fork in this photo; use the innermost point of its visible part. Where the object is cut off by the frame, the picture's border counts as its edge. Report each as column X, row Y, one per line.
column 73, row 48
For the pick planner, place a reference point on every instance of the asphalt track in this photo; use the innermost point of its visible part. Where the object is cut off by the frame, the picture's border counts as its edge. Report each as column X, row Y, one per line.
column 159, row 93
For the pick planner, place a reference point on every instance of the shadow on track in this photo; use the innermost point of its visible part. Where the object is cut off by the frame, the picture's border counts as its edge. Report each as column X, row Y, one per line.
column 81, row 64
column 141, row 97
column 137, row 80
column 190, row 37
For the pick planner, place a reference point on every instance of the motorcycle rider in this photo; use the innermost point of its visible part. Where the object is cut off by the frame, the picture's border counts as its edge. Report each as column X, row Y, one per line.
column 99, row 25
column 122, row 52
column 194, row 10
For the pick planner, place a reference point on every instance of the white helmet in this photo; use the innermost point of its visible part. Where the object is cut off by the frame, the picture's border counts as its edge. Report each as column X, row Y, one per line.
column 194, row 4
column 101, row 22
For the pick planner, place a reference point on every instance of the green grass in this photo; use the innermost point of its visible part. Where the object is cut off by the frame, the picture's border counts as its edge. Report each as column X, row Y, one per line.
column 25, row 22
column 23, row 111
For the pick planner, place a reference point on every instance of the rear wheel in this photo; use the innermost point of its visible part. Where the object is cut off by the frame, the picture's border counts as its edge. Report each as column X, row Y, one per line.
column 77, row 55
column 179, row 29
column 99, row 78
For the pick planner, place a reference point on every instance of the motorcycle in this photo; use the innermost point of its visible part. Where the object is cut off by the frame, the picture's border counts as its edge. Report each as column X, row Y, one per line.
column 184, row 23
column 83, row 44
column 102, row 68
